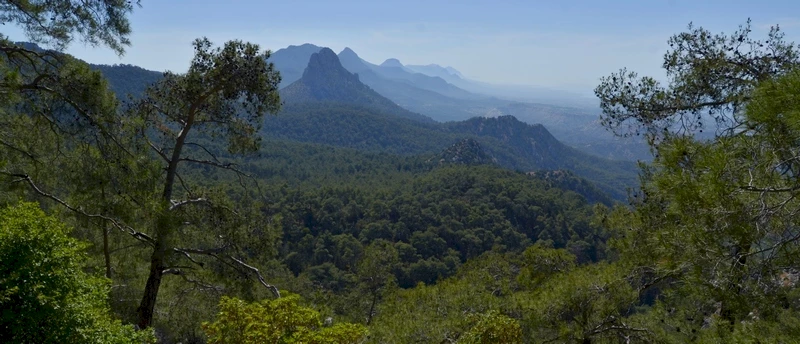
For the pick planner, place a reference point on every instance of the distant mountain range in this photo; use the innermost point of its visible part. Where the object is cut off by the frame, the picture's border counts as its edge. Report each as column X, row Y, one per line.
column 292, row 61
column 449, row 74
column 330, row 105
column 443, row 94
column 325, row 80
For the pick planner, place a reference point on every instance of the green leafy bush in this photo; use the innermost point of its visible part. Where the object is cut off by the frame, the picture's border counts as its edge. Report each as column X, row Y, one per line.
column 45, row 296
column 281, row 320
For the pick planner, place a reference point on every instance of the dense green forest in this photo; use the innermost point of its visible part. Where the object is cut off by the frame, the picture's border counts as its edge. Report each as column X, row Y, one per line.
column 187, row 213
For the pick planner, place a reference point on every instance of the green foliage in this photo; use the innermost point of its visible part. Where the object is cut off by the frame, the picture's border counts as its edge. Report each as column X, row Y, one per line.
column 541, row 263
column 45, row 295
column 452, row 307
column 59, row 23
column 436, row 220
column 128, row 80
column 223, row 96
column 585, row 304
column 492, row 327
column 711, row 78
column 225, row 93
column 375, row 272
column 711, row 239
column 281, row 320
column 716, row 222
column 511, row 143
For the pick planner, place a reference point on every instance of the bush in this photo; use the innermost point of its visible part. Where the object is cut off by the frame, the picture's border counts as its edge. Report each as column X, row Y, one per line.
column 45, row 296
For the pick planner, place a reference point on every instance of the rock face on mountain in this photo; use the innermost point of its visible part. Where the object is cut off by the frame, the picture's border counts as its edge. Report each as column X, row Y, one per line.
column 292, row 61
column 325, row 80
column 466, row 152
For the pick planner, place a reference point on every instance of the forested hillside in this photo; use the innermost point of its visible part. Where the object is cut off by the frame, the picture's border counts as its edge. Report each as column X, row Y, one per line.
column 329, row 105
column 210, row 207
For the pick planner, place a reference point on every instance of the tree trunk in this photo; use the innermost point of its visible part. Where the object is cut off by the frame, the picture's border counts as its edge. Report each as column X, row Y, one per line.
column 163, row 229
column 106, row 253
column 372, row 307
column 728, row 311
column 148, row 304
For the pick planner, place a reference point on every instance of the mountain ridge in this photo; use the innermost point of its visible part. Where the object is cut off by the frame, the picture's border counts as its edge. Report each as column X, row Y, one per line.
column 326, row 80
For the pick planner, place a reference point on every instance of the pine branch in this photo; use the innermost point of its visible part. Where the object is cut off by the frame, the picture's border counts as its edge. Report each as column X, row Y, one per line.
column 119, row 225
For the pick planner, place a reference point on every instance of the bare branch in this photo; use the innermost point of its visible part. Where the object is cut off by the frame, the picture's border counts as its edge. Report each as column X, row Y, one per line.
column 219, row 164
column 214, row 252
column 241, row 175
column 180, row 272
column 204, row 149
column 183, row 184
column 756, row 189
column 83, row 112
column 159, row 151
column 122, row 227
column 188, row 256
column 179, row 204
column 20, row 150
column 272, row 288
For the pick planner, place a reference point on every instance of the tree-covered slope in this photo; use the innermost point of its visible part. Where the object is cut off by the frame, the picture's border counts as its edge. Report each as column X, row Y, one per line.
column 513, row 144
column 127, row 80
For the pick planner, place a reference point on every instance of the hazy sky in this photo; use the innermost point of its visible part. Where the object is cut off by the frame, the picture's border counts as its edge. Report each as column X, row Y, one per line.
column 560, row 43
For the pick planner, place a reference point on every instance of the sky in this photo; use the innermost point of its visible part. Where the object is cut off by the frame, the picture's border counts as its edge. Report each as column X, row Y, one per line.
column 559, row 44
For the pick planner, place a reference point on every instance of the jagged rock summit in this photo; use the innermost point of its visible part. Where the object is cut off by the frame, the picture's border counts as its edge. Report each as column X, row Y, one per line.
column 326, row 80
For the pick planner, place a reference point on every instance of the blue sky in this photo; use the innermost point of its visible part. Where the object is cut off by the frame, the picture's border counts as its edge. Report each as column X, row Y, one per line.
column 558, row 44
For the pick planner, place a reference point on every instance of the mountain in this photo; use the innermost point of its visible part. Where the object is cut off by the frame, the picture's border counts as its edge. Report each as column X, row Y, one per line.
column 530, row 94
column 449, row 74
column 352, row 62
column 329, row 105
column 292, row 61
column 519, row 93
column 455, row 72
column 510, row 142
column 393, row 63
column 437, row 106
column 516, row 93
column 413, row 91
column 574, row 126
column 325, row 80
column 579, row 128
column 393, row 70
column 519, row 145
column 127, row 79
column 431, row 83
